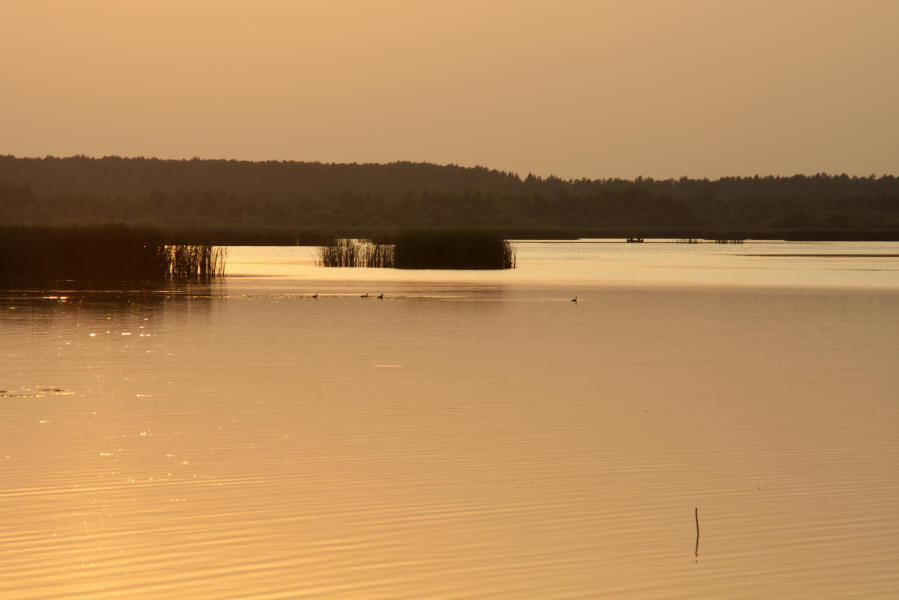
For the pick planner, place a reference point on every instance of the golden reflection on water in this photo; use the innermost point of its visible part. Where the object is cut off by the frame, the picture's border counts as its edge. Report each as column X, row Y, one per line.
column 451, row 441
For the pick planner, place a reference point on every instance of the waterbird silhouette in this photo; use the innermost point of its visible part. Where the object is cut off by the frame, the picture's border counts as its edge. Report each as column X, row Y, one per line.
column 381, row 296
column 574, row 299
column 365, row 295
column 315, row 295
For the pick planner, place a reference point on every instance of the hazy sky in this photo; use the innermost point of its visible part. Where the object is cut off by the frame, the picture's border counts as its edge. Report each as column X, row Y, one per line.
column 578, row 89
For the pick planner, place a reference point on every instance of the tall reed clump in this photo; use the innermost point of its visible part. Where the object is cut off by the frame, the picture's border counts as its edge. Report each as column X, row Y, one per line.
column 109, row 253
column 193, row 261
column 464, row 249
column 459, row 249
column 355, row 253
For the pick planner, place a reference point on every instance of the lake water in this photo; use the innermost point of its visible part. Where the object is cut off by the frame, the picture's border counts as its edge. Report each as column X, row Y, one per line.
column 471, row 435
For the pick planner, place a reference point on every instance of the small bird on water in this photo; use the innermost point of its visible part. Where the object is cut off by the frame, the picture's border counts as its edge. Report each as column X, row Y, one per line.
column 365, row 295
column 315, row 295
column 381, row 296
column 574, row 299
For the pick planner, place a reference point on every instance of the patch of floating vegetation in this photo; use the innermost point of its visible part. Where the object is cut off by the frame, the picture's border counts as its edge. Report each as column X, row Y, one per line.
column 427, row 249
column 118, row 253
column 37, row 392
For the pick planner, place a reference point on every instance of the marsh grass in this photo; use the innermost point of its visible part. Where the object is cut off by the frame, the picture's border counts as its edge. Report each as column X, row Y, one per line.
column 453, row 249
column 465, row 249
column 103, row 253
column 192, row 261
column 355, row 253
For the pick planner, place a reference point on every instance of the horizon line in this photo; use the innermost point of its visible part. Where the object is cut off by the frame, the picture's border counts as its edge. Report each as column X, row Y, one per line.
column 635, row 179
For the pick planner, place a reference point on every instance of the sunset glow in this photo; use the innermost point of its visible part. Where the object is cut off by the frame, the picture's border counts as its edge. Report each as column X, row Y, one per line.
column 576, row 89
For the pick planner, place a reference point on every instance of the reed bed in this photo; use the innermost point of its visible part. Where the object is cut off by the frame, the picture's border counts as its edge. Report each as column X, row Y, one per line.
column 109, row 253
column 355, row 253
column 463, row 249
column 423, row 250
column 193, row 261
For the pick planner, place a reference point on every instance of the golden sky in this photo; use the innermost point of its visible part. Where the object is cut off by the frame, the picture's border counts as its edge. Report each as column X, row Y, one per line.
column 608, row 88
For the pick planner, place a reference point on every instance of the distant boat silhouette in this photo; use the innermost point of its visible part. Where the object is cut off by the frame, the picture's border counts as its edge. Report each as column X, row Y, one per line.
column 574, row 299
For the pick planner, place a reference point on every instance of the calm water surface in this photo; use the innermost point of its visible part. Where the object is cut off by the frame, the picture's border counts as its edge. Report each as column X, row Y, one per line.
column 471, row 435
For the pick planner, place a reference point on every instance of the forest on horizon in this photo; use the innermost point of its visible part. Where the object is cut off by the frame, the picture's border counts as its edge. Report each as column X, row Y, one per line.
column 307, row 199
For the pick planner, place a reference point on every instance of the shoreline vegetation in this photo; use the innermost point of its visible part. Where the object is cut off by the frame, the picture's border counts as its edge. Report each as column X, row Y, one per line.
column 459, row 249
column 228, row 202
column 343, row 252
column 107, row 253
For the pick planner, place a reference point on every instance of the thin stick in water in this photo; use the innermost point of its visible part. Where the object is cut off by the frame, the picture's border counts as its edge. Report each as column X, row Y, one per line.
column 696, row 514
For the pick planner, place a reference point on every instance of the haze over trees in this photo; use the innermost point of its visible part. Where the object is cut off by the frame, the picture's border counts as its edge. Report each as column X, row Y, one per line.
column 372, row 199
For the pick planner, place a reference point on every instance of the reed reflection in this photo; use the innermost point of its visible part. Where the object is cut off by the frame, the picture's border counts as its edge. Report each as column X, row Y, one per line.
column 60, row 342
column 51, row 306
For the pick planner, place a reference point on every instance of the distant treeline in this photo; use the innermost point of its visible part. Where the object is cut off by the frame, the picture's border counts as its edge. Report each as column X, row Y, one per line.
column 290, row 202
